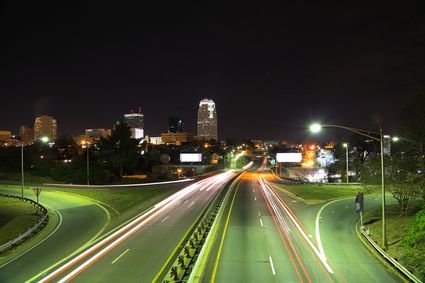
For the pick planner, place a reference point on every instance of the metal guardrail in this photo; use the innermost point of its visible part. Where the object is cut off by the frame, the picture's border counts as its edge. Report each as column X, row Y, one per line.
column 390, row 259
column 38, row 226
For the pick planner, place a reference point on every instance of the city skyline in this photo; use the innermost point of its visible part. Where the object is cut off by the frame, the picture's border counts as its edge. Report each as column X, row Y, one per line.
column 298, row 62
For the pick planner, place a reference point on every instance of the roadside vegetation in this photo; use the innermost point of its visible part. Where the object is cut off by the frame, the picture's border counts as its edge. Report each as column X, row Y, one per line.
column 16, row 217
column 405, row 234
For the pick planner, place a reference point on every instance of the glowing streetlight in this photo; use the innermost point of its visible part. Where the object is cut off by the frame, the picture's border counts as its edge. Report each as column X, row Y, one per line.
column 346, row 159
column 395, row 139
column 45, row 139
column 377, row 136
column 315, row 128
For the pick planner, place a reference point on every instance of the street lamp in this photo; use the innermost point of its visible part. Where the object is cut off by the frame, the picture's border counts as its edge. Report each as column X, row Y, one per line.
column 403, row 139
column 86, row 145
column 316, row 127
column 346, row 159
column 42, row 139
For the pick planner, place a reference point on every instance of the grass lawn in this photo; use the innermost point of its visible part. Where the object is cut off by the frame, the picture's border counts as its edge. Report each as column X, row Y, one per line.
column 124, row 200
column 396, row 227
column 16, row 217
column 322, row 192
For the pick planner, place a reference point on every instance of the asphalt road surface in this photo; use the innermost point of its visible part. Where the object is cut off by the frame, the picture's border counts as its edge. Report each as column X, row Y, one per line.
column 81, row 220
column 140, row 250
column 265, row 241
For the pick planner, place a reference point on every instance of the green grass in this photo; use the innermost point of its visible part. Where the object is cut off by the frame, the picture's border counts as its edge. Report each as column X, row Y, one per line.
column 126, row 199
column 322, row 192
column 16, row 217
column 397, row 226
column 128, row 202
column 15, row 178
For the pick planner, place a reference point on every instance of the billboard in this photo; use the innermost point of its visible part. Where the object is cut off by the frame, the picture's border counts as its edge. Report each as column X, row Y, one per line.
column 289, row 157
column 190, row 157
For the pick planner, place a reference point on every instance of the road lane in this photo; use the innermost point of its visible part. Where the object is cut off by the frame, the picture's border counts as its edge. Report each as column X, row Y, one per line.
column 78, row 214
column 150, row 244
column 346, row 254
column 251, row 252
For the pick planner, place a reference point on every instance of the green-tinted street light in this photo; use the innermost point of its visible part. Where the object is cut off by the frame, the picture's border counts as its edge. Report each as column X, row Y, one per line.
column 45, row 139
column 345, row 145
column 379, row 137
column 395, row 139
column 315, row 128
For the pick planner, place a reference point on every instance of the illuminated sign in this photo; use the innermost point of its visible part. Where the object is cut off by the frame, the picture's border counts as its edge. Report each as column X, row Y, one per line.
column 190, row 157
column 289, row 157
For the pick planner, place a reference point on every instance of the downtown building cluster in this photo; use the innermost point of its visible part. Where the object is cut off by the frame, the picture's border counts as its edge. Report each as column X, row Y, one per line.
column 46, row 127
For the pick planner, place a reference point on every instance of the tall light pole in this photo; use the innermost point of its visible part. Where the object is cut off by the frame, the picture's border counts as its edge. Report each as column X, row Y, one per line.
column 22, row 169
column 346, row 160
column 86, row 145
column 44, row 140
column 315, row 128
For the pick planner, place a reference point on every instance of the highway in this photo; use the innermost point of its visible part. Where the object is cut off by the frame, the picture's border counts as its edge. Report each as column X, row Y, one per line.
column 139, row 250
column 265, row 240
column 265, row 236
column 80, row 220
column 335, row 222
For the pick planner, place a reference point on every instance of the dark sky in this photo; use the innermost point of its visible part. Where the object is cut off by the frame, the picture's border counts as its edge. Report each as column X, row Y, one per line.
column 270, row 69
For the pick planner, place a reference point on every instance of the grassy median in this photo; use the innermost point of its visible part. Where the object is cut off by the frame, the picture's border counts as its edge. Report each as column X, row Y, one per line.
column 16, row 217
column 124, row 200
column 322, row 192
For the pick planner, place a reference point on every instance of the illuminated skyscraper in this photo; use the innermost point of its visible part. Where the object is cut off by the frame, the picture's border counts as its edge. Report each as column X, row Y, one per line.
column 45, row 126
column 136, row 123
column 207, row 120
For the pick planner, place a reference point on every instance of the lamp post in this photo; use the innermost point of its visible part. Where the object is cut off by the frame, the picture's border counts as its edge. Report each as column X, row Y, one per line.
column 86, row 145
column 44, row 140
column 315, row 128
column 346, row 159
column 22, row 169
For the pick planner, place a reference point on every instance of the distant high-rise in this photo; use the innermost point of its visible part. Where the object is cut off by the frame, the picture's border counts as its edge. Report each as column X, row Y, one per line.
column 207, row 120
column 175, row 125
column 136, row 123
column 45, row 126
column 27, row 135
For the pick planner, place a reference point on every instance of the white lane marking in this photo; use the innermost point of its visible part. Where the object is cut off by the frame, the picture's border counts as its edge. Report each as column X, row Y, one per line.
column 271, row 195
column 185, row 201
column 317, row 225
column 259, row 214
column 190, row 205
column 255, row 198
column 120, row 256
column 261, row 222
column 271, row 264
column 293, row 201
column 165, row 218
column 253, row 190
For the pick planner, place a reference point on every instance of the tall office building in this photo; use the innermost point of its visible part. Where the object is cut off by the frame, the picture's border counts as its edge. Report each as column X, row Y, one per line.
column 136, row 123
column 175, row 125
column 207, row 120
column 27, row 135
column 45, row 126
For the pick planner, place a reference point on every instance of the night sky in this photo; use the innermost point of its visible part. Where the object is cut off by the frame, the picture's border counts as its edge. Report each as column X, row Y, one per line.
column 270, row 69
